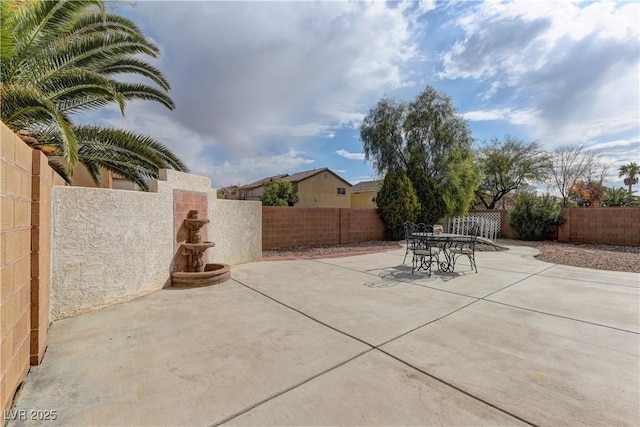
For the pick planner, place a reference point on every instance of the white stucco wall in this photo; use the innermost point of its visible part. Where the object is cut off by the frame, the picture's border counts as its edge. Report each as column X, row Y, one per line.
column 110, row 246
column 236, row 229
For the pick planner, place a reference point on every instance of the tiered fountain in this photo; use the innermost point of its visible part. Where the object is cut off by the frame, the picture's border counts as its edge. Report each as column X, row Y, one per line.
column 198, row 274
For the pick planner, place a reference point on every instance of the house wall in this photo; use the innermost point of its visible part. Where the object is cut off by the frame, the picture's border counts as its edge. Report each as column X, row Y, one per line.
column 289, row 227
column 321, row 191
column 615, row 226
column 363, row 200
column 112, row 246
column 25, row 233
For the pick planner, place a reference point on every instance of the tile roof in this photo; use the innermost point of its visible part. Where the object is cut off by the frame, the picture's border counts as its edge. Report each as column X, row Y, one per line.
column 297, row 177
column 301, row 176
column 367, row 186
column 261, row 182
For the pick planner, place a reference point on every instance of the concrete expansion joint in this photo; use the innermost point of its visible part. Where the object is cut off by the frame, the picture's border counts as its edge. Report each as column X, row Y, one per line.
column 560, row 317
column 461, row 390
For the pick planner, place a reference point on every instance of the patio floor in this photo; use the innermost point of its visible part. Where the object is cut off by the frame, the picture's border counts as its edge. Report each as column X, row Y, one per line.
column 356, row 341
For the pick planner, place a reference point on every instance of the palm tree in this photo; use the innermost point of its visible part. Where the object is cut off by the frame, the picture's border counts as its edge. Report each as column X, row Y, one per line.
column 60, row 58
column 631, row 171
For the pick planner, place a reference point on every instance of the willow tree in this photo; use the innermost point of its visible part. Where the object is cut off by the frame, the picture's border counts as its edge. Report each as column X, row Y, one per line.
column 62, row 58
column 431, row 142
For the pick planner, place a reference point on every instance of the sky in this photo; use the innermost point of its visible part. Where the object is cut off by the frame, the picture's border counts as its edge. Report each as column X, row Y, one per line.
column 271, row 87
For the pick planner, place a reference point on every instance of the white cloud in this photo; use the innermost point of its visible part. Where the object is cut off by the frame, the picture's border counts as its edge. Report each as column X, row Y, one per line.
column 350, row 156
column 246, row 72
column 246, row 170
column 571, row 67
column 479, row 116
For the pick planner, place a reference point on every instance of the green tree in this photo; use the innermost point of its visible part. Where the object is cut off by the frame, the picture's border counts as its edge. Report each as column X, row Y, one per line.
column 619, row 197
column 278, row 193
column 424, row 135
column 60, row 58
column 427, row 189
column 508, row 164
column 533, row 216
column 631, row 171
column 398, row 203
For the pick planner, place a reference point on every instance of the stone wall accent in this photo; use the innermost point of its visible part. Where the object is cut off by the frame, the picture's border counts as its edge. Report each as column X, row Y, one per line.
column 614, row 226
column 284, row 227
column 183, row 202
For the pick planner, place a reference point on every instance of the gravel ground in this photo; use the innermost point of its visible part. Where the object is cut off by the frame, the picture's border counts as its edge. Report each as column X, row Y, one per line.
column 601, row 257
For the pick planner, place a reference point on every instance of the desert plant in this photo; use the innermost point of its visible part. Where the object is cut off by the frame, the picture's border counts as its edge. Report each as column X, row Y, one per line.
column 62, row 58
column 397, row 202
column 618, row 197
column 534, row 216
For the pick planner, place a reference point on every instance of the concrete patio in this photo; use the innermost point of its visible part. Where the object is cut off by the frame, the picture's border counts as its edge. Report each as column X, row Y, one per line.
column 355, row 341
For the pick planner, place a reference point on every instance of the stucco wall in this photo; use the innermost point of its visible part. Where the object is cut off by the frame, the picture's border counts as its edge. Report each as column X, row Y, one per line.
column 363, row 200
column 111, row 246
column 236, row 229
column 321, row 191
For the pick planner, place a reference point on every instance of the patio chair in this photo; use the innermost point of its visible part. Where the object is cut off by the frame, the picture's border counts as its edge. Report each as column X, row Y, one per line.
column 408, row 231
column 467, row 248
column 424, row 252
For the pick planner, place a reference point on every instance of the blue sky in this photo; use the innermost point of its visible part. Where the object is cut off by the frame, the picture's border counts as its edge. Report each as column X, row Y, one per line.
column 264, row 88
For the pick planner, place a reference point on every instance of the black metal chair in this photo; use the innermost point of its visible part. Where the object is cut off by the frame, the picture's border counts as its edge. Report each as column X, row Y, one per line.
column 408, row 231
column 425, row 254
column 467, row 248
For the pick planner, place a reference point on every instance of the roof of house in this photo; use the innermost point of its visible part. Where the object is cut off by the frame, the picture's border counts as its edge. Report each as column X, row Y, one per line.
column 301, row 176
column 367, row 186
column 261, row 182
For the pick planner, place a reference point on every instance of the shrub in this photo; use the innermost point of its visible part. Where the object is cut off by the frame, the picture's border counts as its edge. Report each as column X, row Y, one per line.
column 619, row 197
column 534, row 216
column 397, row 202
column 279, row 193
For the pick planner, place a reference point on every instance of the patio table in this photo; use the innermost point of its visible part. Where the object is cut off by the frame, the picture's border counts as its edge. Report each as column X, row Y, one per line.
column 447, row 241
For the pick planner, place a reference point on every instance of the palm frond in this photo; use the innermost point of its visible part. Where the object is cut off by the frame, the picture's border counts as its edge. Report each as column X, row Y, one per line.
column 23, row 109
column 39, row 23
column 135, row 66
column 132, row 91
column 60, row 169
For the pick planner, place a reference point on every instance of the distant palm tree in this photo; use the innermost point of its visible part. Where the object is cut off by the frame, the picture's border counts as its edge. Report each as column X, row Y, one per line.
column 631, row 171
column 59, row 58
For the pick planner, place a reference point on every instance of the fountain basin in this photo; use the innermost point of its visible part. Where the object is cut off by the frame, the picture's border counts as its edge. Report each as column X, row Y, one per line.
column 195, row 224
column 195, row 248
column 212, row 275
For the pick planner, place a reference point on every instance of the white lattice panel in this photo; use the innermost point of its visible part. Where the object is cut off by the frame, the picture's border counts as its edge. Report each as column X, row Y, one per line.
column 488, row 224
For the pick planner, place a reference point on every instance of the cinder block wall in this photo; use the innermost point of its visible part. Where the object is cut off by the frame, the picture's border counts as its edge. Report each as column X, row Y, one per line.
column 15, row 262
column 25, row 254
column 615, row 226
column 284, row 227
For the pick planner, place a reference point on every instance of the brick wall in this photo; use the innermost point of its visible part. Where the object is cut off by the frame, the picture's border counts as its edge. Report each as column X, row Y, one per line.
column 615, row 226
column 25, row 254
column 42, row 181
column 183, row 202
column 288, row 227
column 15, row 262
